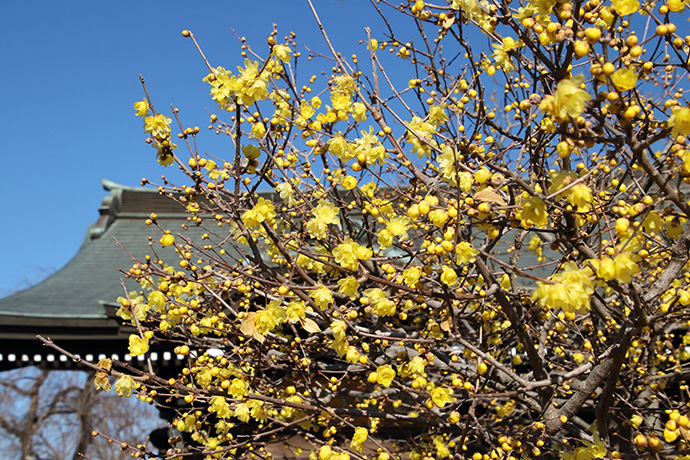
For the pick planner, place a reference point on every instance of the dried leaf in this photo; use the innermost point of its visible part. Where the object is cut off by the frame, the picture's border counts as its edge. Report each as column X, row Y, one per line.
column 310, row 325
column 448, row 22
column 489, row 195
column 248, row 327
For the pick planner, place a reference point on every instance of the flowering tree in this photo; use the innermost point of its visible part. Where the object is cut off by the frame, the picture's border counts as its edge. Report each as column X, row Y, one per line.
column 469, row 241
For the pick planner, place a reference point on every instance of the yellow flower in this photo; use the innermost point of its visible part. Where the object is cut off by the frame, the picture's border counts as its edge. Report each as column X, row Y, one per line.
column 158, row 125
column 340, row 148
column 124, row 386
column 258, row 130
column 349, row 182
column 411, row 276
column 238, row 389
column 167, row 240
column 220, row 406
column 580, row 195
column 604, row 268
column 438, row 217
column 133, row 304
column 437, row 114
column 338, row 330
column 138, row 345
column 242, row 412
column 264, row 322
column 101, row 381
column 568, row 100
column 282, row 52
column 142, row 108
column 413, row 367
column 359, row 438
column 325, row 214
column 624, row 7
column 359, row 112
column 465, row 253
column 501, row 56
column 352, row 355
column 385, row 375
column 675, row 5
column 679, row 121
column 569, row 290
column 482, row 175
column 624, row 79
column 322, row 296
column 449, row 277
column 286, row 193
column 349, row 287
column 625, row 267
column 533, row 212
column 346, row 254
column 441, row 396
column 591, row 451
column 296, row 311
column 262, row 211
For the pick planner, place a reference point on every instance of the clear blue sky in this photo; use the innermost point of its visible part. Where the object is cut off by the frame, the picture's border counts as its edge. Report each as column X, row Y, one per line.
column 69, row 79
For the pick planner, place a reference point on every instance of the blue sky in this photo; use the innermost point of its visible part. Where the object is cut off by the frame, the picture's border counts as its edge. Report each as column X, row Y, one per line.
column 69, row 79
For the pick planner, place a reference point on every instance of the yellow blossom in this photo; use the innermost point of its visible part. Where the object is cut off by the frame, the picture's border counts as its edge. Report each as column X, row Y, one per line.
column 286, row 193
column 359, row 438
column 322, row 296
column 465, row 253
column 340, row 148
column 676, row 5
column 349, row 287
column 296, row 311
column 282, row 52
column 624, row 7
column 124, row 386
column 359, row 112
column 238, row 389
column 220, row 406
column 533, row 212
column 568, row 101
column 101, row 381
column 449, row 277
column 441, row 396
column 138, row 345
column 242, row 412
column 325, row 214
column 569, row 290
column 624, row 79
column 625, row 267
column 411, row 276
column 258, row 130
column 349, row 182
column 385, row 375
column 158, row 125
column 262, row 211
column 580, row 195
column 414, row 367
column 589, row 452
column 399, row 226
column 346, row 254
column 142, row 108
column 679, row 121
column 501, row 53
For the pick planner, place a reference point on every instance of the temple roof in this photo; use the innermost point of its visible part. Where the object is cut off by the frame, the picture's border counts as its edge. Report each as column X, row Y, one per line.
column 77, row 304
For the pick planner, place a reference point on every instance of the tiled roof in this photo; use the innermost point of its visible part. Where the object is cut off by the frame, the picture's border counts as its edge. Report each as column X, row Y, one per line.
column 91, row 279
column 78, row 302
